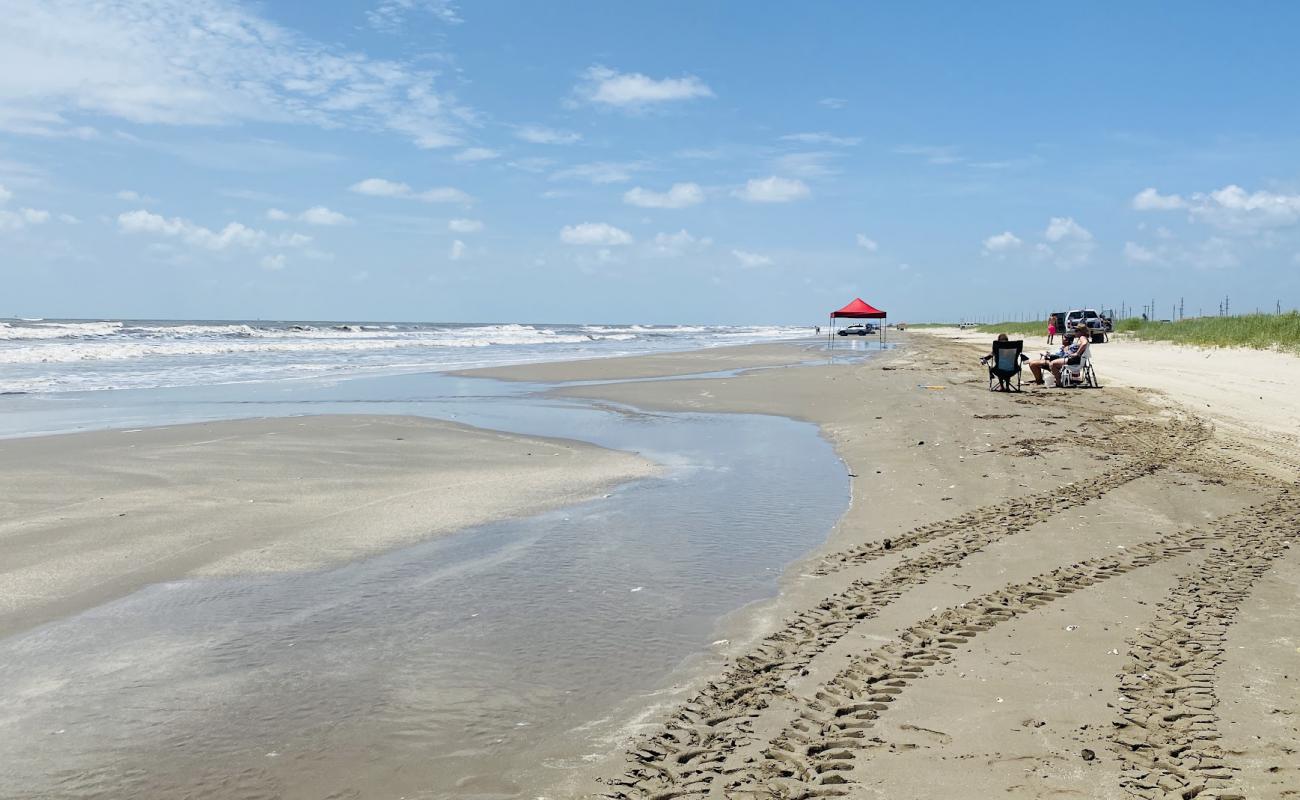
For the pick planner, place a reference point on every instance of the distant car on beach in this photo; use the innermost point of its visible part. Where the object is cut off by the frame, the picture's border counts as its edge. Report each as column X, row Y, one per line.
column 857, row 330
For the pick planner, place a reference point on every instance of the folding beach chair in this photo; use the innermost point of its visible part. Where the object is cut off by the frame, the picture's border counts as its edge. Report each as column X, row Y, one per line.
column 1004, row 366
column 1080, row 372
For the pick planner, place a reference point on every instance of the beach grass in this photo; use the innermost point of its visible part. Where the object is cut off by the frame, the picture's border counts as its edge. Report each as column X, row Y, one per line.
column 1258, row 331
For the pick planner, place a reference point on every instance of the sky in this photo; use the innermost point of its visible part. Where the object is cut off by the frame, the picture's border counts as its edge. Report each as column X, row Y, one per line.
column 665, row 162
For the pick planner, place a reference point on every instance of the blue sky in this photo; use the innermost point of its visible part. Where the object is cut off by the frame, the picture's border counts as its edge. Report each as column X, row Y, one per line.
column 653, row 162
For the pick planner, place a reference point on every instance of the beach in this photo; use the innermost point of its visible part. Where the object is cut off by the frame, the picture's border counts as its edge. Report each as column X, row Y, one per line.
column 91, row 517
column 1032, row 595
column 1042, row 594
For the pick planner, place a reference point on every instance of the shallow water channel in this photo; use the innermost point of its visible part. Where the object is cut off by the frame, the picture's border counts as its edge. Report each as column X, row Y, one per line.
column 457, row 667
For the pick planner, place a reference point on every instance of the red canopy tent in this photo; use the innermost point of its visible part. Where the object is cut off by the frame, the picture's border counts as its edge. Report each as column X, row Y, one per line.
column 858, row 309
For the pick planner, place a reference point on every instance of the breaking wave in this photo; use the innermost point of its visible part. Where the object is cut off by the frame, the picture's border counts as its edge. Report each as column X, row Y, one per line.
column 80, row 355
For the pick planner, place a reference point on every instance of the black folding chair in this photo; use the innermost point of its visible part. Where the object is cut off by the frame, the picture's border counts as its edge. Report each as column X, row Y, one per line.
column 1004, row 366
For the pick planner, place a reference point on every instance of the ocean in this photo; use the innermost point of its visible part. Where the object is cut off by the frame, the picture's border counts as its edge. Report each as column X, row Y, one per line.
column 49, row 355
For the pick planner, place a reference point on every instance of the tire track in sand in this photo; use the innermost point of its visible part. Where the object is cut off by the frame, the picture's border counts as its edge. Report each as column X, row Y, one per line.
column 704, row 731
column 1154, row 446
column 814, row 752
column 1167, row 730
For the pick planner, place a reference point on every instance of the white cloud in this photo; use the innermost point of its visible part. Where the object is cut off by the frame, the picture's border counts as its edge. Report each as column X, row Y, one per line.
column 216, row 62
column 679, row 195
column 822, row 138
column 1002, row 243
column 233, row 235
column 1070, row 243
column 540, row 135
column 773, row 190
column 1230, row 208
column 599, row 172
column 292, row 240
column 594, row 233
column 749, row 259
column 833, row 102
column 867, row 244
column 473, row 154
column 1066, row 229
column 464, row 226
column 273, row 262
column 22, row 218
column 132, row 196
column 317, row 215
column 390, row 15
column 457, row 251
column 1135, row 253
column 1151, row 200
column 320, row 215
column 5, row 194
column 634, row 91
column 675, row 244
column 806, row 165
column 379, row 187
column 41, row 122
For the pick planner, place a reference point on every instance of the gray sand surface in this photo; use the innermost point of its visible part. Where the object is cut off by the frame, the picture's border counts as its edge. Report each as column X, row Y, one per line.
column 88, row 517
column 1084, row 593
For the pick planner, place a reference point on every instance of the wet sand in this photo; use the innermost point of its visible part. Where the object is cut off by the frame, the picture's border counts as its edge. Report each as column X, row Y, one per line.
column 1058, row 593
column 1039, row 595
column 89, row 517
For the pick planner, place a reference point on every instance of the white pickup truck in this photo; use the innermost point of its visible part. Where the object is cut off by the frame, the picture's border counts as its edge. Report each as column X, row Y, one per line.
column 1099, row 325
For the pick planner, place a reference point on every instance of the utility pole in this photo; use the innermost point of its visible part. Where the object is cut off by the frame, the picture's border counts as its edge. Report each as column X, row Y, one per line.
column 1225, row 305
column 1180, row 308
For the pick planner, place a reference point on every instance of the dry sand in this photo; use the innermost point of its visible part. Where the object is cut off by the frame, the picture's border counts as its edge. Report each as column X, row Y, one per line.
column 1056, row 593
column 1248, row 394
column 88, row 517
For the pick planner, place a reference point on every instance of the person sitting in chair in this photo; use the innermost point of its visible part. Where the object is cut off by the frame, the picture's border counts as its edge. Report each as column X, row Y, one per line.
column 1004, row 376
column 1002, row 337
column 1069, row 354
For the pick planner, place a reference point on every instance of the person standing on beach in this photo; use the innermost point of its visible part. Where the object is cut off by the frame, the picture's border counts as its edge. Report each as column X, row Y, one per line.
column 1051, row 328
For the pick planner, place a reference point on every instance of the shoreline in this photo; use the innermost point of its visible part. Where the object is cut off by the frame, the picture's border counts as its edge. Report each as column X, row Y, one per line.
column 259, row 495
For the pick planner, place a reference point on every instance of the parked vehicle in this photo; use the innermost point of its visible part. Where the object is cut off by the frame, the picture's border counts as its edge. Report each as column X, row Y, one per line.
column 1088, row 316
column 857, row 330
